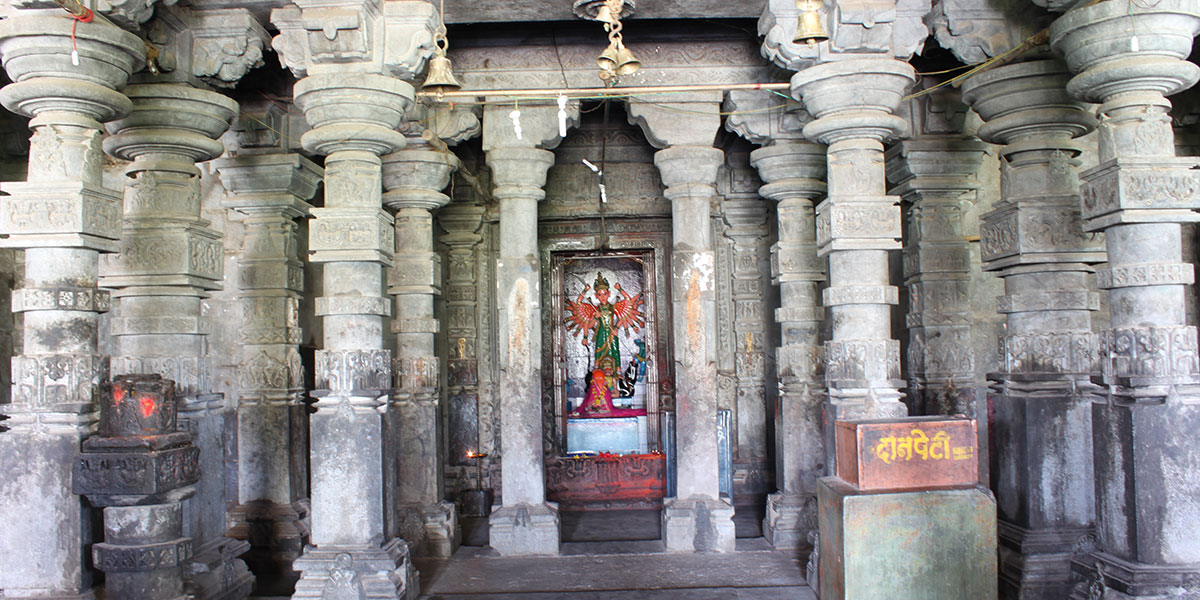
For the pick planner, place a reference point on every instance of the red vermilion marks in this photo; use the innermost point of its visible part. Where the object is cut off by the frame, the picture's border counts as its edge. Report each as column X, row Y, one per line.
column 147, row 405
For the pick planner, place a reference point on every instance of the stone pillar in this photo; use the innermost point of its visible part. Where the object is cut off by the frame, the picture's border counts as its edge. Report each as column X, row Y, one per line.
column 354, row 94
column 169, row 261
column 1147, row 420
column 462, row 224
column 63, row 217
column 853, row 101
column 414, row 179
column 937, row 178
column 267, row 193
column 140, row 469
column 698, row 518
column 794, row 172
column 525, row 523
column 1034, row 240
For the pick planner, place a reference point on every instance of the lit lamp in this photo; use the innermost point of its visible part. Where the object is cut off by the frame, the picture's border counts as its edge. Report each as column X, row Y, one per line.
column 476, row 502
column 810, row 29
column 440, row 78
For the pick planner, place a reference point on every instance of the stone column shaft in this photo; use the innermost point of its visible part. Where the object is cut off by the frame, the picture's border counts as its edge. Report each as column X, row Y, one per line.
column 64, row 217
column 1035, row 241
column 857, row 225
column 525, row 523
column 1139, row 195
column 795, row 172
column 268, row 192
column 698, row 518
column 415, row 178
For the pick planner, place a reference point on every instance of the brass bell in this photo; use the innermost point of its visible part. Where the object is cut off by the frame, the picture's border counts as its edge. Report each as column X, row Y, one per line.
column 440, row 78
column 607, row 60
column 810, row 28
column 604, row 15
column 627, row 63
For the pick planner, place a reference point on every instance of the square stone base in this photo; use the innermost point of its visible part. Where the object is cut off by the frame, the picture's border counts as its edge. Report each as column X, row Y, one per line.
column 333, row 573
column 1112, row 578
column 789, row 520
column 932, row 544
column 525, row 530
column 698, row 524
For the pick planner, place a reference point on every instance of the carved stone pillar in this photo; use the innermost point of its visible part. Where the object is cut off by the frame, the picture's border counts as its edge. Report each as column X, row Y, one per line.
column 794, row 172
column 63, row 217
column 354, row 58
column 937, row 178
column 853, row 102
column 746, row 227
column 698, row 518
column 1146, row 423
column 461, row 222
column 414, row 179
column 267, row 193
column 1034, row 240
column 525, row 523
column 169, row 261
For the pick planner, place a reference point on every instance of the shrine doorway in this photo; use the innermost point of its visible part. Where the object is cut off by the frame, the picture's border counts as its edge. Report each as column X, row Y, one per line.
column 608, row 389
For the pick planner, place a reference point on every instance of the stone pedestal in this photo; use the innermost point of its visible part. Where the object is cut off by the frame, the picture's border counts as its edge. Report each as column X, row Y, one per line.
column 267, row 193
column 857, row 225
column 1035, row 241
column 794, row 172
column 1145, row 419
column 63, row 217
column 140, row 469
column 414, row 179
column 929, row 544
column 525, row 523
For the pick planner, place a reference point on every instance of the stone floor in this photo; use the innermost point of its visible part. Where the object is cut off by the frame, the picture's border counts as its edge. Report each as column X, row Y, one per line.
column 630, row 565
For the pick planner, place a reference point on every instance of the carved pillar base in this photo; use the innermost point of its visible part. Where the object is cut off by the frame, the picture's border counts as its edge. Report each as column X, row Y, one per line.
column 277, row 534
column 435, row 525
column 790, row 517
column 1037, row 563
column 333, row 573
column 525, row 529
column 698, row 524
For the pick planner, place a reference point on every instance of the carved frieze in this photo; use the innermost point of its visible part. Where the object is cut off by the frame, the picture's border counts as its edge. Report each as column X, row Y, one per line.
column 856, row 28
column 145, row 557
column 190, row 373
column 75, row 213
column 57, row 382
column 1068, row 352
column 343, row 234
column 1146, row 274
column 1150, row 352
column 191, row 256
column 862, row 360
column 1136, row 188
column 858, row 224
column 349, row 371
column 82, row 299
column 136, row 473
column 226, row 44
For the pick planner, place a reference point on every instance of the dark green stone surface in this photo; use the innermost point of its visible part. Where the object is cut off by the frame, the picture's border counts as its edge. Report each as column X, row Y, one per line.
column 932, row 545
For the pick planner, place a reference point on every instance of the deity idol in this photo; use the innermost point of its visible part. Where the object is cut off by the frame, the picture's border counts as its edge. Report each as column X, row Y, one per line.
column 606, row 319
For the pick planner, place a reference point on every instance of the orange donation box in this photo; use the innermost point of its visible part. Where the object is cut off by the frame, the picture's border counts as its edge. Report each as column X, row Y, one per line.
column 907, row 454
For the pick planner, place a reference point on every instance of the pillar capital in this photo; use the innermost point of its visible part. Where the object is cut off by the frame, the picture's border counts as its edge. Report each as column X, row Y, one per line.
column 353, row 112
column 538, row 125
column 171, row 122
column 415, row 177
column 1112, row 58
column 791, row 169
column 269, row 184
column 520, row 171
column 392, row 37
column 1026, row 107
column 933, row 168
column 36, row 50
column 689, row 170
column 854, row 99
column 753, row 115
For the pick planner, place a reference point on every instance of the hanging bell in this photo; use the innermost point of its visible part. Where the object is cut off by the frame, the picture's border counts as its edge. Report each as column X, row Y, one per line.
column 440, row 78
column 810, row 29
column 604, row 15
column 608, row 60
column 627, row 63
